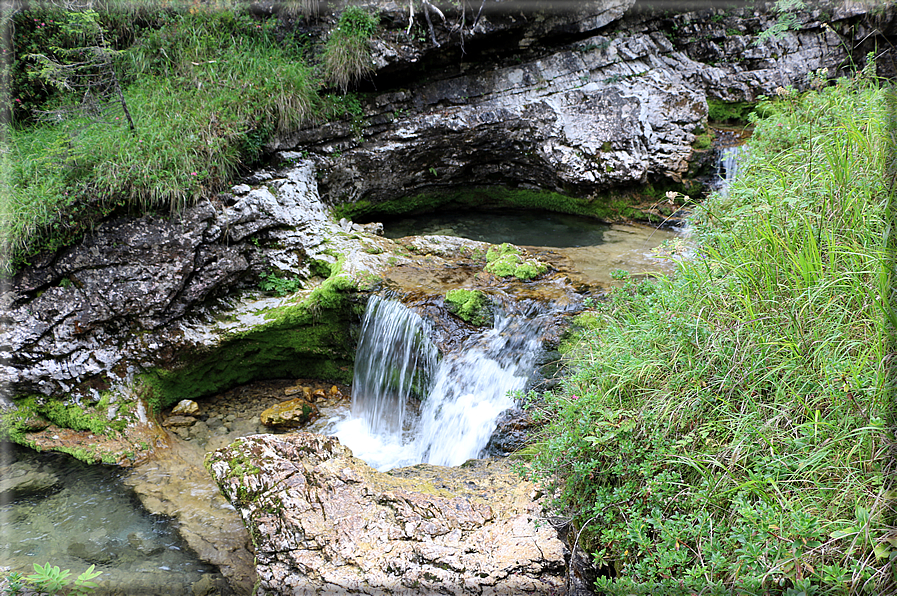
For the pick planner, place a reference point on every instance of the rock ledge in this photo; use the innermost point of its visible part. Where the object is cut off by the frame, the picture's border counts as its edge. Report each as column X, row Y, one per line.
column 324, row 522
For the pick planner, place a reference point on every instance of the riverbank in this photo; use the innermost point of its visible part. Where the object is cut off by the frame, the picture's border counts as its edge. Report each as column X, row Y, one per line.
column 729, row 428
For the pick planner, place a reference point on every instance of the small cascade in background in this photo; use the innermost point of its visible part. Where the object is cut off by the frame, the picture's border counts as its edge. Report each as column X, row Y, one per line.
column 473, row 386
column 728, row 165
column 462, row 396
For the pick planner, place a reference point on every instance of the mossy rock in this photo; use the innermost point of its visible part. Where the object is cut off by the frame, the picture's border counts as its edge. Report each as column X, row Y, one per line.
column 506, row 261
column 470, row 305
column 734, row 112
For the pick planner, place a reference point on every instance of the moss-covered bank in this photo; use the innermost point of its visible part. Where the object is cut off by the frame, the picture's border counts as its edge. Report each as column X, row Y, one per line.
column 609, row 206
column 310, row 337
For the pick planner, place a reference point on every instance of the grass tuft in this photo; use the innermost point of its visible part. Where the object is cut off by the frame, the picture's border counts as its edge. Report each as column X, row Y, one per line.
column 726, row 430
column 347, row 55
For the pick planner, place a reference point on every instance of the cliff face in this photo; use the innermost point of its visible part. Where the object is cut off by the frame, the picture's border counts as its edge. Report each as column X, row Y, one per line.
column 573, row 102
column 576, row 102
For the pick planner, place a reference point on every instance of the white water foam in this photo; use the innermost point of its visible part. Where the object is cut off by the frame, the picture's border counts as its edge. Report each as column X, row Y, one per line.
column 466, row 392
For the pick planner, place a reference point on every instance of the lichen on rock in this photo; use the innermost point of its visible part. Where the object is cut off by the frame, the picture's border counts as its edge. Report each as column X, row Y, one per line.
column 325, row 522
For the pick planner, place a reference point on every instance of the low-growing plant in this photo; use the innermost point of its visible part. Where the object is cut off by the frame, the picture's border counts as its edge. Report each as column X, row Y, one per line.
column 50, row 580
column 281, row 286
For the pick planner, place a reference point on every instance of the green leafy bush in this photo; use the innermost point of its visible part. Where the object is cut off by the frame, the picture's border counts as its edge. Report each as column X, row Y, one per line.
column 725, row 430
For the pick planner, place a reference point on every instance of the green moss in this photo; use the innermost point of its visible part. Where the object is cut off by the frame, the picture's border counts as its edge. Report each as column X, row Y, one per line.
column 16, row 423
column 702, row 142
column 310, row 339
column 729, row 111
column 505, row 261
column 607, row 207
column 470, row 305
column 75, row 417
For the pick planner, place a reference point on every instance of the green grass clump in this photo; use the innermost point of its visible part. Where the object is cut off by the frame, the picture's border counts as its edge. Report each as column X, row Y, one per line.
column 347, row 56
column 726, row 430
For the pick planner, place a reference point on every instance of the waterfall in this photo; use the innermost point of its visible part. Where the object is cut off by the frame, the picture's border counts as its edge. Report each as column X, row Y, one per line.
column 394, row 362
column 727, row 167
column 462, row 396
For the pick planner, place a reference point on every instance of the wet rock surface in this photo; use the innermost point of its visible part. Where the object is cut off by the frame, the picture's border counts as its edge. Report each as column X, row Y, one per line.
column 621, row 105
column 19, row 479
column 176, row 484
column 326, row 522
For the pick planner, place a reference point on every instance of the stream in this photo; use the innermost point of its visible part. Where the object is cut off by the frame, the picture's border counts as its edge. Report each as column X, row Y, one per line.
column 410, row 403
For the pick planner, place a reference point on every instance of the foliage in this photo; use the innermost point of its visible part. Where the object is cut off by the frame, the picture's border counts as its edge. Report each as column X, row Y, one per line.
column 347, row 57
column 786, row 20
column 281, row 286
column 728, row 111
column 724, row 431
column 206, row 89
column 50, row 580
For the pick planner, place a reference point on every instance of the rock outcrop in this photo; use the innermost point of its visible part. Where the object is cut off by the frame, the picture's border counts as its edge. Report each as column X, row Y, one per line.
column 615, row 101
column 324, row 522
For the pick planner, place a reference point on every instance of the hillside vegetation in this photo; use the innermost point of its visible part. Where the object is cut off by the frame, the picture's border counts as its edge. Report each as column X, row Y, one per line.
column 204, row 88
column 726, row 430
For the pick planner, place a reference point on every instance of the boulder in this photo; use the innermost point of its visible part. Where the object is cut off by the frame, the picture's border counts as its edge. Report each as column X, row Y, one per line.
column 290, row 414
column 325, row 522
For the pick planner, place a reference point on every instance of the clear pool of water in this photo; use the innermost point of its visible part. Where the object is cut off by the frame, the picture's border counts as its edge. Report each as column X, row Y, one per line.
column 596, row 249
column 90, row 518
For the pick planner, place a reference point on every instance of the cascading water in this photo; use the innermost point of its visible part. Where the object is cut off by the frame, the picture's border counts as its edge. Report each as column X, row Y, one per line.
column 727, row 167
column 394, row 362
column 463, row 395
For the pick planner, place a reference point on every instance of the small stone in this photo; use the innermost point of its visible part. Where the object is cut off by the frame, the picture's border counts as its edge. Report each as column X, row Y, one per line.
column 186, row 407
column 318, row 394
column 177, row 421
column 334, row 391
column 34, row 424
column 290, row 414
column 204, row 586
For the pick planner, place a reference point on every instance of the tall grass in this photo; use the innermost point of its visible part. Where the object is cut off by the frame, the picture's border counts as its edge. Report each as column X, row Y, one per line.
column 206, row 90
column 347, row 56
column 726, row 430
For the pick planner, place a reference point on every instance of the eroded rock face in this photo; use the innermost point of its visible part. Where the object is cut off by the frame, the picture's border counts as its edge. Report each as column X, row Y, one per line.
column 619, row 106
column 324, row 522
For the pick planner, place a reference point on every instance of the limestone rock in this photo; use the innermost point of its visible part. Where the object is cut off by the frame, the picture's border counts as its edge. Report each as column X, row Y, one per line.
column 179, row 421
column 290, row 414
column 186, row 407
column 325, row 522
